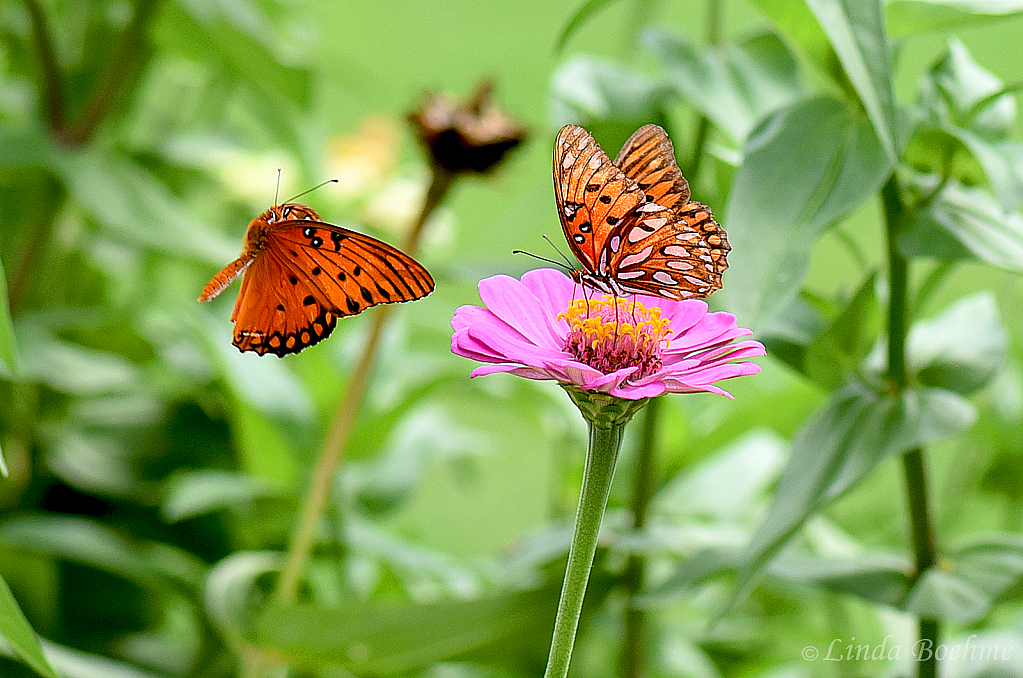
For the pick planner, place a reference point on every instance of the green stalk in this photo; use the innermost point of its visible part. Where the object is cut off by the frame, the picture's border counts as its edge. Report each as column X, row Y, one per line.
column 913, row 462
column 633, row 645
column 715, row 12
column 604, row 444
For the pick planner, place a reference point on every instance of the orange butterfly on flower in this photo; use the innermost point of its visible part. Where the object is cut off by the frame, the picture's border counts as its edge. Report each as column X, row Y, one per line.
column 301, row 275
column 630, row 223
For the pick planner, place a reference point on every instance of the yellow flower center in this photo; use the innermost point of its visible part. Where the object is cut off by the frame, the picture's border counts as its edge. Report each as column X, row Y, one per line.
column 611, row 333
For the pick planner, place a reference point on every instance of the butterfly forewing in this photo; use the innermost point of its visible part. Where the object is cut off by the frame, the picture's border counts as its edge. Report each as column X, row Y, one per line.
column 648, row 158
column 350, row 271
column 594, row 197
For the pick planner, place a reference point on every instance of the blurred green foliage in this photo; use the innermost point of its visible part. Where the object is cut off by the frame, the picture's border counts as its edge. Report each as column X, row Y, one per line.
column 154, row 473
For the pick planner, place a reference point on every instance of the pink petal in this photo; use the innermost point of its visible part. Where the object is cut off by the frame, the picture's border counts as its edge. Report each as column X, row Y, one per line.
column 632, row 392
column 554, row 289
column 711, row 329
column 682, row 314
column 512, row 302
column 518, row 370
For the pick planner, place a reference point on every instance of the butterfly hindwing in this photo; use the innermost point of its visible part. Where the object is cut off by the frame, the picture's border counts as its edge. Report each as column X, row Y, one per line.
column 668, row 254
column 594, row 197
column 277, row 311
column 648, row 158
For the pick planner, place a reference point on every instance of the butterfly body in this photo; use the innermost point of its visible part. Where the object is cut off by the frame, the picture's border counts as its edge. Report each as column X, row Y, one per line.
column 630, row 222
column 301, row 275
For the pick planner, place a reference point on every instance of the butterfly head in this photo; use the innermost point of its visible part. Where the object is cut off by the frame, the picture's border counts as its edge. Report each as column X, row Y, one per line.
column 606, row 285
column 289, row 211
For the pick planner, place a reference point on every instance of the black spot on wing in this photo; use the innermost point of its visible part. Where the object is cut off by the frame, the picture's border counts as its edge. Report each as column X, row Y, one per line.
column 283, row 343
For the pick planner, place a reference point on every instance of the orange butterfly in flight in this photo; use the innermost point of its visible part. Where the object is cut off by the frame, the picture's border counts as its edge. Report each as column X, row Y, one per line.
column 301, row 275
column 630, row 222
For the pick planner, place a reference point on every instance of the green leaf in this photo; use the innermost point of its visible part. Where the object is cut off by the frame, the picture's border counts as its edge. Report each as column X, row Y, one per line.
column 585, row 89
column 959, row 92
column 91, row 543
column 837, row 351
column 704, row 565
column 381, row 640
column 961, row 349
column 18, row 633
column 791, row 185
column 796, row 22
column 8, row 353
column 747, row 467
column 792, row 330
column 1003, row 164
column 965, row 223
column 970, row 159
column 970, row 580
column 839, row 445
column 72, row 663
column 877, row 577
column 200, row 492
column 229, row 593
column 856, row 31
column 72, row 368
column 585, row 11
column 734, row 87
column 23, row 148
column 134, row 205
column 267, row 386
column 243, row 43
column 909, row 17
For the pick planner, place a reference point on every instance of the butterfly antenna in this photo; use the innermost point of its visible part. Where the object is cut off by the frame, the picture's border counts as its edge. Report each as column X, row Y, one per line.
column 310, row 190
column 277, row 192
column 562, row 254
column 537, row 256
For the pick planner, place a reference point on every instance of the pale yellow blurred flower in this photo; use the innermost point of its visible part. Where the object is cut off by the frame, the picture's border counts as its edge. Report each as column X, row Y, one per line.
column 363, row 160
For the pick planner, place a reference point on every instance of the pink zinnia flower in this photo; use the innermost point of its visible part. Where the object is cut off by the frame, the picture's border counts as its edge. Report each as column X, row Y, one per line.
column 544, row 327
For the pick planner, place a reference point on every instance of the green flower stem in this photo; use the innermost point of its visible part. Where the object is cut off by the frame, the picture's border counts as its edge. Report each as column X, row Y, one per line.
column 606, row 417
column 913, row 462
column 633, row 650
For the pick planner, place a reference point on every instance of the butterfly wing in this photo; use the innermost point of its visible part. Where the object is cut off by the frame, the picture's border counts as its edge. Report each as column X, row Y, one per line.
column 595, row 199
column 308, row 274
column 648, row 158
column 276, row 310
column 349, row 271
column 676, row 254
column 630, row 223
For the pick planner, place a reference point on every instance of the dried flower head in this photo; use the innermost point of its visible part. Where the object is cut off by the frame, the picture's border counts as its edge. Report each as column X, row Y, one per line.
column 468, row 136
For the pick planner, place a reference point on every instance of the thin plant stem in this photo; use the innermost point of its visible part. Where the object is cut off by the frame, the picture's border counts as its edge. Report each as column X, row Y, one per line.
column 633, row 645
column 328, row 462
column 45, row 219
column 124, row 60
column 913, row 461
column 52, row 82
column 715, row 12
column 332, row 452
column 601, row 455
